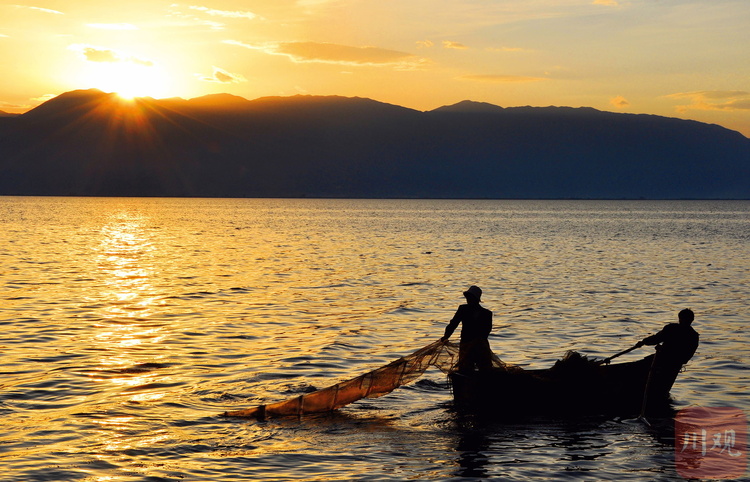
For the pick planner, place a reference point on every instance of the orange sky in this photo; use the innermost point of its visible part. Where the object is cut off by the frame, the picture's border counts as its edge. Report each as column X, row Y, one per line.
column 677, row 58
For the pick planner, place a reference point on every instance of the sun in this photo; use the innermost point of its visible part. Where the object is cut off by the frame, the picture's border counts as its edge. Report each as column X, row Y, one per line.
column 130, row 80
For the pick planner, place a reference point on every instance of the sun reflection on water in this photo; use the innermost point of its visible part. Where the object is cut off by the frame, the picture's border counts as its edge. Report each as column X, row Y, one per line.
column 117, row 436
column 125, row 264
column 126, row 335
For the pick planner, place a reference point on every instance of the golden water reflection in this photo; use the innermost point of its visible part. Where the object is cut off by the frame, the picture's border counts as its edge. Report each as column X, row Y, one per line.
column 130, row 324
column 126, row 334
column 126, row 268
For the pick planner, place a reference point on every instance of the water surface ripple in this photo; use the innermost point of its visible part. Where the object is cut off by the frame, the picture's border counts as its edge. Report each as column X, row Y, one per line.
column 129, row 324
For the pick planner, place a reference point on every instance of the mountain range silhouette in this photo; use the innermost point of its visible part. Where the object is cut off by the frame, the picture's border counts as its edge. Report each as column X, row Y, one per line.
column 91, row 143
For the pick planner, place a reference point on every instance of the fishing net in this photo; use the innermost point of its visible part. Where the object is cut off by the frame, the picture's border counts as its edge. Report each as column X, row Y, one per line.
column 440, row 354
column 575, row 370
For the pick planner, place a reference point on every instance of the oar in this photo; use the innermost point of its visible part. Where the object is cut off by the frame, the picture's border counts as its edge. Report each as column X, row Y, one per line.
column 642, row 416
column 607, row 360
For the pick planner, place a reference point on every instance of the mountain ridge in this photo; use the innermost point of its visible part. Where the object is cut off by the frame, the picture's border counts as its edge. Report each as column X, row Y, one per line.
column 88, row 142
column 220, row 100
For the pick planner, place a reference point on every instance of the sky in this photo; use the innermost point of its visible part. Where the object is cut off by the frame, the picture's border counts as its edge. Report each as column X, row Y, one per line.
column 677, row 58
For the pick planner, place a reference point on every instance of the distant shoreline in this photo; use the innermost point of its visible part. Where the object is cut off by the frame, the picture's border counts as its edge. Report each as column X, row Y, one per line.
column 375, row 199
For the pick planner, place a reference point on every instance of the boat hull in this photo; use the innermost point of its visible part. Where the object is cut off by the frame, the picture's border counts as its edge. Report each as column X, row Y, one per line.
column 585, row 388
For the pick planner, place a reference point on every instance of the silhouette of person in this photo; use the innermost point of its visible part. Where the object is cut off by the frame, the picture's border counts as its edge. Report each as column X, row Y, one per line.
column 476, row 323
column 676, row 344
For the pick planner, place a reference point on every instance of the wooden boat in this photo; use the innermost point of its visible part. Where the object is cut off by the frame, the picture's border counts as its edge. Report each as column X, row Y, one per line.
column 574, row 385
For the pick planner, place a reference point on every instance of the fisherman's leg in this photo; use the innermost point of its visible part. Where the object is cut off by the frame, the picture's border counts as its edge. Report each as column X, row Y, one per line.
column 665, row 376
column 483, row 355
column 661, row 379
column 465, row 357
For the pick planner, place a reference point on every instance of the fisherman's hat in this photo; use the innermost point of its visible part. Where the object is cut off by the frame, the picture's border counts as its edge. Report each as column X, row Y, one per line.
column 474, row 291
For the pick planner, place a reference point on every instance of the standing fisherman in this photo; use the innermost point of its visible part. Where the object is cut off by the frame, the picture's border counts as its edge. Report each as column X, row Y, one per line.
column 476, row 323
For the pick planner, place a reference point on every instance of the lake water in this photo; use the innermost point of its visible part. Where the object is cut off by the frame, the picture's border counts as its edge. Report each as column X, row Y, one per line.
column 129, row 325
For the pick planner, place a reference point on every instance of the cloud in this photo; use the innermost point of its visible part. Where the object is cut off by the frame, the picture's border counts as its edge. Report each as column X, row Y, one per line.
column 325, row 52
column 44, row 98
column 112, row 26
column 606, row 3
column 7, row 106
column 313, row 3
column 93, row 54
column 186, row 19
column 506, row 49
column 303, row 52
column 39, row 9
column 104, row 55
column 502, row 79
column 454, row 45
column 18, row 108
column 726, row 100
column 225, row 13
column 424, row 43
column 221, row 76
column 620, row 102
column 207, row 23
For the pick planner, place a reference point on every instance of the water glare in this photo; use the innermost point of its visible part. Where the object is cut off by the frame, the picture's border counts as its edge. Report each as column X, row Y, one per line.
column 129, row 325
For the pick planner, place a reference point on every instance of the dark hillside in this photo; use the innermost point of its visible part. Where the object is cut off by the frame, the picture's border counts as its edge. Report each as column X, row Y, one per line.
column 92, row 143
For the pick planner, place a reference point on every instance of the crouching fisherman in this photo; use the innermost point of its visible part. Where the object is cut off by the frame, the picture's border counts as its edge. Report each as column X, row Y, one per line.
column 676, row 344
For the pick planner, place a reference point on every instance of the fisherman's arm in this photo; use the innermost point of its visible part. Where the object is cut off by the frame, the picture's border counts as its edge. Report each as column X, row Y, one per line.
column 452, row 325
column 652, row 340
